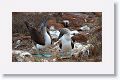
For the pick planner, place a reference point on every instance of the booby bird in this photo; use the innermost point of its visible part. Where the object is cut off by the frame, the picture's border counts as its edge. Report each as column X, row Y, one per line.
column 66, row 42
column 66, row 23
column 41, row 38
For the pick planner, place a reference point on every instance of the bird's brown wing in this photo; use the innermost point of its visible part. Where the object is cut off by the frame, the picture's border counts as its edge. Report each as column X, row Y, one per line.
column 36, row 36
column 40, row 39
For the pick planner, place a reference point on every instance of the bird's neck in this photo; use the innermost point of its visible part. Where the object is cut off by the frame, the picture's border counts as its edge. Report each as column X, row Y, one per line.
column 44, row 30
column 47, row 38
column 66, row 38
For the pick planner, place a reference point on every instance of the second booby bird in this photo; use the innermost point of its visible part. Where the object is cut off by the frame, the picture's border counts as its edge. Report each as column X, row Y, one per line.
column 66, row 42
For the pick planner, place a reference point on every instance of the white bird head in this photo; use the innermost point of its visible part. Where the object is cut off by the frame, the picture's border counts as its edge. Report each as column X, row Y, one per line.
column 64, row 31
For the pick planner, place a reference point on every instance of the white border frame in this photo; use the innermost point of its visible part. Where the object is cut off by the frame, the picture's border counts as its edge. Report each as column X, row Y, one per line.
column 104, row 67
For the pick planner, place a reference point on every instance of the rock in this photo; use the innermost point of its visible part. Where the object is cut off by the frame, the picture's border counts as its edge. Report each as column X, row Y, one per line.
column 80, row 38
column 96, row 30
column 74, row 32
column 67, row 16
column 21, row 56
column 85, row 28
column 25, row 37
column 83, row 50
column 56, row 25
column 74, row 20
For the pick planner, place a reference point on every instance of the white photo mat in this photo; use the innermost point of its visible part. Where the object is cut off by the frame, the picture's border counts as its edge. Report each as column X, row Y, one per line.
column 104, row 67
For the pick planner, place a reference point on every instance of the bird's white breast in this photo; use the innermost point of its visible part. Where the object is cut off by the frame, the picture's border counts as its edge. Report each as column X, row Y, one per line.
column 47, row 39
column 66, row 43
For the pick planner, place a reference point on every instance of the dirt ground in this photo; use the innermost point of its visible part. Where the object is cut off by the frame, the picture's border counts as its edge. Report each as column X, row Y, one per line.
column 77, row 19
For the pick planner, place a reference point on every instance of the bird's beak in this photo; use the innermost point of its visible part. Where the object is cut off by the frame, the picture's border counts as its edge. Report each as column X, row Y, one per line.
column 60, row 36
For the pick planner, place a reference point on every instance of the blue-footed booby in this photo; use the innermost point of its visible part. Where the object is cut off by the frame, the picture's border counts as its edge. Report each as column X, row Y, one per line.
column 66, row 42
column 41, row 38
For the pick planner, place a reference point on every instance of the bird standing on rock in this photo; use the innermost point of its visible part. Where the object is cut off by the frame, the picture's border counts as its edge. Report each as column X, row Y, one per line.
column 66, row 43
column 41, row 37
